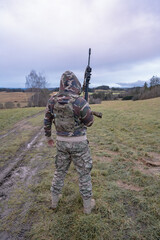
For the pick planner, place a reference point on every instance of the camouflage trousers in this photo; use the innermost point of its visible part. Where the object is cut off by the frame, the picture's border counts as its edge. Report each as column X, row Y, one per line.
column 79, row 153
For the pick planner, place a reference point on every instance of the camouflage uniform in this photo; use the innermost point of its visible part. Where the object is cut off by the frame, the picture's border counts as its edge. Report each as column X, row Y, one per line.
column 71, row 116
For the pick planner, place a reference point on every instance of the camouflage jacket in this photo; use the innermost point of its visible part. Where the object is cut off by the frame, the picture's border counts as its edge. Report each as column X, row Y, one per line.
column 70, row 89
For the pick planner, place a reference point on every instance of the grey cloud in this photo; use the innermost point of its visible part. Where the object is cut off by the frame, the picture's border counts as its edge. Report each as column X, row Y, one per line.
column 138, row 83
column 50, row 37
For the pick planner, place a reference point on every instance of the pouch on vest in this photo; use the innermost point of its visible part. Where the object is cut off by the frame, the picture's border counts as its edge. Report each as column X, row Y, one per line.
column 64, row 116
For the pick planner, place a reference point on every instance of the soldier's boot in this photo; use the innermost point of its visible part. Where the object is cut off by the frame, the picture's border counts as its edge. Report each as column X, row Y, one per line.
column 88, row 205
column 55, row 200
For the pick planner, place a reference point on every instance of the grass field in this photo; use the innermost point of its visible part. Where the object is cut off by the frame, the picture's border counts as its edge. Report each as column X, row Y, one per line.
column 8, row 117
column 17, row 122
column 125, row 147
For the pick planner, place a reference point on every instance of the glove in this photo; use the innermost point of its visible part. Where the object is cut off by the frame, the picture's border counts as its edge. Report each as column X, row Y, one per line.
column 50, row 141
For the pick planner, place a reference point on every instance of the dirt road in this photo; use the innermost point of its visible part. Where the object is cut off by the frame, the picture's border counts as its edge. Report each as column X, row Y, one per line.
column 18, row 172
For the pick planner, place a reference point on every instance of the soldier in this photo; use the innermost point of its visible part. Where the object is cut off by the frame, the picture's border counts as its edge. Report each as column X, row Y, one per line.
column 71, row 116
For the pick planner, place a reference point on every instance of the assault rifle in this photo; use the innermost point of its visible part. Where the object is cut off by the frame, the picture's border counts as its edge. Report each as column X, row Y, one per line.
column 87, row 77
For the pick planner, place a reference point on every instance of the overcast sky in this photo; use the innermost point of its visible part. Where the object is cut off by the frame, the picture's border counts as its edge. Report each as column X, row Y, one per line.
column 52, row 36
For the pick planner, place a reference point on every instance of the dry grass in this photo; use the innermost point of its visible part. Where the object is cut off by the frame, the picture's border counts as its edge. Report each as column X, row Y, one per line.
column 15, row 97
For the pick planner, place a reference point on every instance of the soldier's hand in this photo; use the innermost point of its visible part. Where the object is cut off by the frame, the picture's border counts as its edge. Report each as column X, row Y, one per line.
column 50, row 143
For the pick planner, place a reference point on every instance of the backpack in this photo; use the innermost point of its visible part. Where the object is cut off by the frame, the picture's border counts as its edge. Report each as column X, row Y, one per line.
column 64, row 118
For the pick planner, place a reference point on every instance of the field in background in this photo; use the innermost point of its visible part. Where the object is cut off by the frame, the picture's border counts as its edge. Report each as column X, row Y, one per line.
column 20, row 99
column 15, row 97
column 110, row 91
column 125, row 147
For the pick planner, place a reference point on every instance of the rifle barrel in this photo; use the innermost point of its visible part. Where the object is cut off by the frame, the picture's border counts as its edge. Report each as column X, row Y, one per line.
column 89, row 56
column 86, row 84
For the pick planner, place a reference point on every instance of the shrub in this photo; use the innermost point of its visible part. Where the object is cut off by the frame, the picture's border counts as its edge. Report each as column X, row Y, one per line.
column 39, row 99
column 94, row 100
column 102, row 95
column 127, row 98
column 18, row 105
column 1, row 106
column 9, row 105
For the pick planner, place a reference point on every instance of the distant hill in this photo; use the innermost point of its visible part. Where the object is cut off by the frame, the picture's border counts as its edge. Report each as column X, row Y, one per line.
column 103, row 87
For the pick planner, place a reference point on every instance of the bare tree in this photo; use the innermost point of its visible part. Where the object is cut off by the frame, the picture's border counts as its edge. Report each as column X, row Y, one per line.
column 37, row 83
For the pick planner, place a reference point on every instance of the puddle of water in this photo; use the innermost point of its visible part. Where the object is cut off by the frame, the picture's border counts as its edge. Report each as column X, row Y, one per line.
column 2, row 196
column 5, row 135
column 21, row 172
column 40, row 144
column 4, row 236
column 19, row 158
column 29, row 145
column 8, row 184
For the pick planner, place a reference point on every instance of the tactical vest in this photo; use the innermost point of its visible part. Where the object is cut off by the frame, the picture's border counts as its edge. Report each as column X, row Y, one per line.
column 65, row 121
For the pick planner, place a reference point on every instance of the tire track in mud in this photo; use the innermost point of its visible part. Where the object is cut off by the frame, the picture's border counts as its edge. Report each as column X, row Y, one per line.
column 20, row 124
column 17, row 160
column 25, row 173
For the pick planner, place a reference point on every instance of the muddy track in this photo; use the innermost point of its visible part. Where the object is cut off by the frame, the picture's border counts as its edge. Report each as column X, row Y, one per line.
column 17, row 160
column 24, row 173
column 20, row 124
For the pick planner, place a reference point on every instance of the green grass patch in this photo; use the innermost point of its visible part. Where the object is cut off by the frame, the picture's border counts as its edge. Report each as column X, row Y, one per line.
column 8, row 117
column 14, row 143
column 127, row 132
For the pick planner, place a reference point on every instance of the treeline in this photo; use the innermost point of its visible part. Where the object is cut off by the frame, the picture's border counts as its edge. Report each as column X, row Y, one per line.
column 146, row 92
column 12, row 90
column 37, row 84
column 56, row 89
column 151, row 90
column 105, row 93
column 99, row 96
column 105, row 87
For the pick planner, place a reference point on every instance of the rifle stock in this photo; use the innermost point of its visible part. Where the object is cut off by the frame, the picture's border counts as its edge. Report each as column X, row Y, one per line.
column 97, row 114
